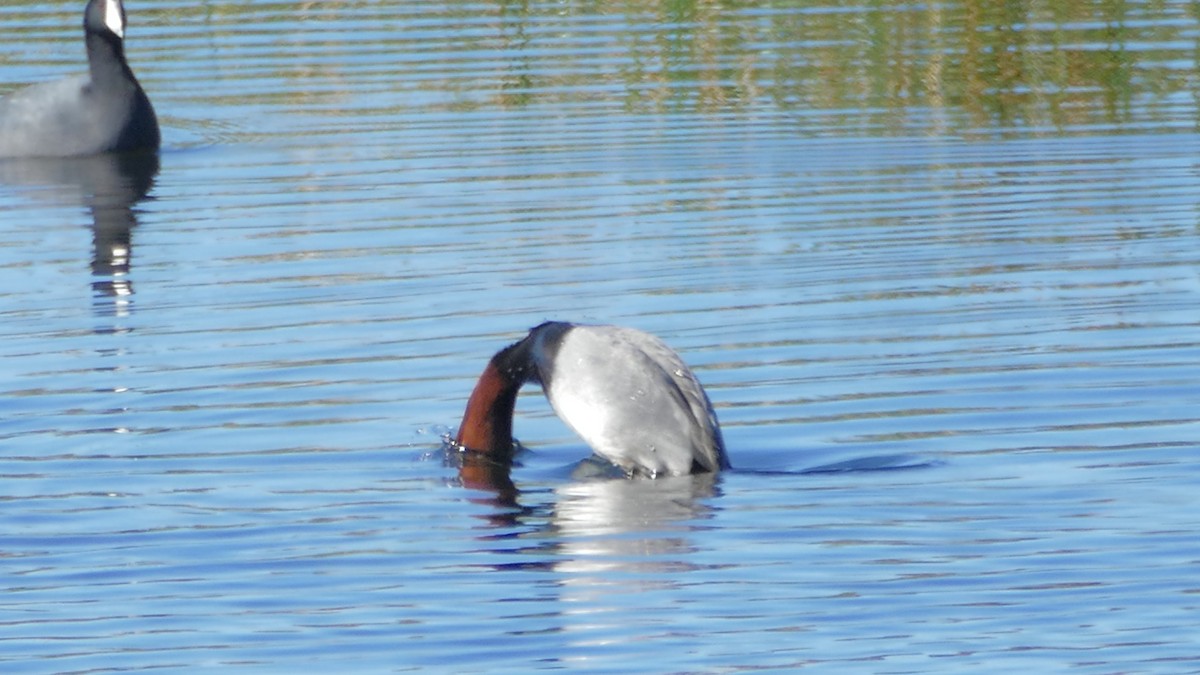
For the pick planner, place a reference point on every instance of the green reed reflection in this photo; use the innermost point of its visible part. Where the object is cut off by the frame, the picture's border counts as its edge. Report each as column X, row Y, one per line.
column 952, row 66
column 878, row 67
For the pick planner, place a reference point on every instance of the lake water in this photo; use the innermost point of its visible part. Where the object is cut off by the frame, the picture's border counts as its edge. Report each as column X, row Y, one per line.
column 962, row 234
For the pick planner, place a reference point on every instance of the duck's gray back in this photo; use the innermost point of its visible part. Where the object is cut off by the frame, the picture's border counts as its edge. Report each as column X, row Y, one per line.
column 634, row 401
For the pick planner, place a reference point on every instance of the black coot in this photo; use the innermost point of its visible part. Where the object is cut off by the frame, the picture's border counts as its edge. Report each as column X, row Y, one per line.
column 103, row 111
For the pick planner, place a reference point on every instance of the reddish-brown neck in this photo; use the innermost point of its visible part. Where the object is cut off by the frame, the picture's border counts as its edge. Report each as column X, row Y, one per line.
column 487, row 423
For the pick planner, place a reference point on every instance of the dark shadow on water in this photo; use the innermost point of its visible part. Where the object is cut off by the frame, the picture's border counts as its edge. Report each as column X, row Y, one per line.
column 902, row 462
column 480, row 472
column 592, row 476
column 109, row 187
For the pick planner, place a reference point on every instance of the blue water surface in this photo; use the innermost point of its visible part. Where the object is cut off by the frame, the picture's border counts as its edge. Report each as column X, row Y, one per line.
column 225, row 379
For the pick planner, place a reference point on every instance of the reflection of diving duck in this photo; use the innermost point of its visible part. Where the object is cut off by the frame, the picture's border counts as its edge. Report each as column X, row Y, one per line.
column 625, row 392
column 105, row 110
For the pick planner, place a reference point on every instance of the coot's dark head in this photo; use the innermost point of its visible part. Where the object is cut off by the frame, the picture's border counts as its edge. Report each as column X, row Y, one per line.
column 105, row 17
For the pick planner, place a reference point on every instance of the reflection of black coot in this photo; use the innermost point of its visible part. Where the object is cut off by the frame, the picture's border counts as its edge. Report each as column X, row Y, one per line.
column 105, row 110
column 109, row 186
column 116, row 187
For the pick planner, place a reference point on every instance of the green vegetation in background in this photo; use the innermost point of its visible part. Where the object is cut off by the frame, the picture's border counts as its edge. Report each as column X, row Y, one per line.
column 963, row 65
column 879, row 67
